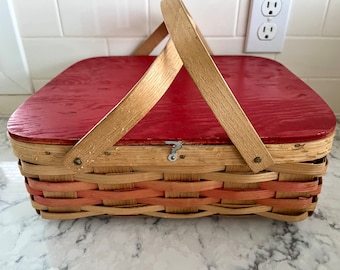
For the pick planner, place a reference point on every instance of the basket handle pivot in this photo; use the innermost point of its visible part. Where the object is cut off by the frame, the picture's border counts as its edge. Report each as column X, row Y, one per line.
column 191, row 47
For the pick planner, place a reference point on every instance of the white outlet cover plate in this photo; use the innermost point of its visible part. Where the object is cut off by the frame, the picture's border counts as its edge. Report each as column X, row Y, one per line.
column 256, row 19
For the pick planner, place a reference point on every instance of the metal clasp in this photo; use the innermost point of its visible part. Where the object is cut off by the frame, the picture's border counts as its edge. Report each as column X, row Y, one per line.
column 176, row 145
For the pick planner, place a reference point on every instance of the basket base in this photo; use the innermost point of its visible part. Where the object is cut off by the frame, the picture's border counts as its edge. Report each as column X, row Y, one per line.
column 232, row 191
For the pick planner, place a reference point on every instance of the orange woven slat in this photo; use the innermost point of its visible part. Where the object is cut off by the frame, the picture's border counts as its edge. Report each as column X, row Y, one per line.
column 317, row 191
column 33, row 191
column 120, row 195
column 290, row 186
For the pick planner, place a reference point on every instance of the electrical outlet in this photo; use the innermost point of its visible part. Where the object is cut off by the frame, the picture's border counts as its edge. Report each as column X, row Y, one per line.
column 271, row 8
column 267, row 31
column 267, row 25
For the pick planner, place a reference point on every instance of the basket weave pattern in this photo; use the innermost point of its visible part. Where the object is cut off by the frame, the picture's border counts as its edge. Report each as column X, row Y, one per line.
column 183, row 192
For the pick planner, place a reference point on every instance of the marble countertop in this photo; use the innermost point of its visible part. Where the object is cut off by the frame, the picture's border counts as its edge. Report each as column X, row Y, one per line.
column 29, row 242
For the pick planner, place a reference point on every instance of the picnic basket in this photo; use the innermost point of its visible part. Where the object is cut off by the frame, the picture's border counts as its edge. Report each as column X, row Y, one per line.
column 181, row 135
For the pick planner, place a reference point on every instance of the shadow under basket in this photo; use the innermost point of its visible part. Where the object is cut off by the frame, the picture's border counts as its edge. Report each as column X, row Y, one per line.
column 181, row 135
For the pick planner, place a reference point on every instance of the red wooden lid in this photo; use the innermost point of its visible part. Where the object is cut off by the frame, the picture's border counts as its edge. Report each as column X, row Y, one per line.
column 281, row 107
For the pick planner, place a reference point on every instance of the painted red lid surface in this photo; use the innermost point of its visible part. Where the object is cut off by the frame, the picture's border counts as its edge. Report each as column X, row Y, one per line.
column 281, row 107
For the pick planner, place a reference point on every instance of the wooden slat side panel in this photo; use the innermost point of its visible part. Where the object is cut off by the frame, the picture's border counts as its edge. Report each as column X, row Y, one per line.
column 199, row 155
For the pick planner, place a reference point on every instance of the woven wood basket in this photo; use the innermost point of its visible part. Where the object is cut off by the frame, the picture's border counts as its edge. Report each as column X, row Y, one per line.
column 240, row 171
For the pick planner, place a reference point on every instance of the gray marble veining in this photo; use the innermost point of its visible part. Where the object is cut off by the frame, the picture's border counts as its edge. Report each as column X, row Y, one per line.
column 29, row 242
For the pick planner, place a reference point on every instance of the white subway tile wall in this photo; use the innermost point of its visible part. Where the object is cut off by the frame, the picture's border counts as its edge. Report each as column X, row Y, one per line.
column 242, row 21
column 47, row 57
column 113, row 18
column 312, row 57
column 57, row 33
column 307, row 17
column 123, row 46
column 332, row 26
column 327, row 89
column 215, row 18
column 38, row 18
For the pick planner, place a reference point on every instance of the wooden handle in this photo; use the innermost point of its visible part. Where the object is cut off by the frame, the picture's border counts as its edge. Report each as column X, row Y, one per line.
column 195, row 56
column 134, row 106
column 187, row 47
column 152, row 41
column 155, row 38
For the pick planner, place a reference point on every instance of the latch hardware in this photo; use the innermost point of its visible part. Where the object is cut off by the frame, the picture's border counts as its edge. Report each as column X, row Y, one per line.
column 176, row 145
